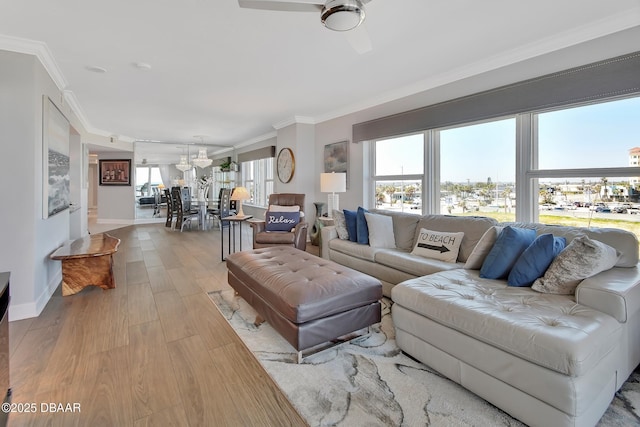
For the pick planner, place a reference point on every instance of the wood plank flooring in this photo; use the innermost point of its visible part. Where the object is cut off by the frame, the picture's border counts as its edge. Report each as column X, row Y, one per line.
column 154, row 351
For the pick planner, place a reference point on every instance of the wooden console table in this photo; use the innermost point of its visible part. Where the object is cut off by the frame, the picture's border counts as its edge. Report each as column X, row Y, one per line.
column 87, row 261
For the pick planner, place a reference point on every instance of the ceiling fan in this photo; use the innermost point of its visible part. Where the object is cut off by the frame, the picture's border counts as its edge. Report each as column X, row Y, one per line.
column 337, row 15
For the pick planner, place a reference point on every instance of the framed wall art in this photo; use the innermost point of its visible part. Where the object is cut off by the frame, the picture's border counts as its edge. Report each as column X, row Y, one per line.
column 336, row 158
column 55, row 161
column 115, row 172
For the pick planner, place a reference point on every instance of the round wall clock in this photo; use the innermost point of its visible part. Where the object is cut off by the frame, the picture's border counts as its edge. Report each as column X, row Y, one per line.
column 286, row 165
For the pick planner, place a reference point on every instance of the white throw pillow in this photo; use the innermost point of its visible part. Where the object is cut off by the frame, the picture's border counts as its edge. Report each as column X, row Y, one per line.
column 482, row 248
column 380, row 231
column 438, row 245
column 582, row 258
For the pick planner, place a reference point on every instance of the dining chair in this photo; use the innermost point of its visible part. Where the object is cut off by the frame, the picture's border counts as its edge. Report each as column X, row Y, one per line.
column 224, row 206
column 182, row 216
column 170, row 209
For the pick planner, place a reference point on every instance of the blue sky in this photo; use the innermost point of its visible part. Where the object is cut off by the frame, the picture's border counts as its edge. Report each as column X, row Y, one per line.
column 592, row 136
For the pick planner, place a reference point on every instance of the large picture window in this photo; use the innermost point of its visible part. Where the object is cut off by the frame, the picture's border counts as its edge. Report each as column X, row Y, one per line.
column 399, row 173
column 578, row 165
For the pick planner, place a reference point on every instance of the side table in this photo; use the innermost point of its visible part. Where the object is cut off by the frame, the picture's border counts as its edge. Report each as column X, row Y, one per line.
column 233, row 220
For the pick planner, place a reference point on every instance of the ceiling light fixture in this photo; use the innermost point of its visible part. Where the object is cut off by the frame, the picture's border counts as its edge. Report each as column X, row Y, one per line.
column 342, row 15
column 184, row 165
column 202, row 161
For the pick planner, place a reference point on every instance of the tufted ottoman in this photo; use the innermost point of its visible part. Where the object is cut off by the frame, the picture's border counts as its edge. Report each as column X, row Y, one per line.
column 307, row 299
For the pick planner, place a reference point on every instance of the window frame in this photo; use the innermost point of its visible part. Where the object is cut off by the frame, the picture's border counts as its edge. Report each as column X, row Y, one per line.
column 527, row 172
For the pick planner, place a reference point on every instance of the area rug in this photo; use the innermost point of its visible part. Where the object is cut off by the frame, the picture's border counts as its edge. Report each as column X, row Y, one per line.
column 368, row 381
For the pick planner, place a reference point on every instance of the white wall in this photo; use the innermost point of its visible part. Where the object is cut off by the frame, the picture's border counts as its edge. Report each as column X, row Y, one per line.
column 116, row 203
column 27, row 238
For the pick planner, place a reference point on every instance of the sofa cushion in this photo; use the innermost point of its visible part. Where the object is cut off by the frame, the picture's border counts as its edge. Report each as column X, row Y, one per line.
column 362, row 231
column 582, row 258
column 473, row 228
column 380, row 230
column 546, row 329
column 438, row 245
column 535, row 260
column 354, row 249
column 511, row 242
column 350, row 218
column 412, row 264
column 482, row 249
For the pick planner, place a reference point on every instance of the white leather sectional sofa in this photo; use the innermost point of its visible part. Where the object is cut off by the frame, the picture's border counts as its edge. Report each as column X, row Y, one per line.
column 546, row 359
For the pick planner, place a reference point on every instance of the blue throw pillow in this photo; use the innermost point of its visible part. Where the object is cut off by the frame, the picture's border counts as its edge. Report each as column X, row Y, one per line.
column 350, row 217
column 511, row 242
column 281, row 221
column 535, row 260
column 362, row 229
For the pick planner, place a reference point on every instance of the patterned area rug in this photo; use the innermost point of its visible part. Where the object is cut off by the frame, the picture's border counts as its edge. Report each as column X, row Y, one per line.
column 368, row 381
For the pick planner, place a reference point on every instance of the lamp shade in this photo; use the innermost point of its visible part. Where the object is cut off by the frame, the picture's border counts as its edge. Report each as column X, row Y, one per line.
column 240, row 193
column 333, row 182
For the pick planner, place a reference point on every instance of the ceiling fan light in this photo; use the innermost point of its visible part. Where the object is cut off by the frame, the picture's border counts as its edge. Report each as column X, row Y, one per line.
column 342, row 15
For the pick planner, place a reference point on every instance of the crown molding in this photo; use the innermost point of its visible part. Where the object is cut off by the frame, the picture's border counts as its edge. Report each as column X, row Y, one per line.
column 294, row 120
column 41, row 51
column 602, row 28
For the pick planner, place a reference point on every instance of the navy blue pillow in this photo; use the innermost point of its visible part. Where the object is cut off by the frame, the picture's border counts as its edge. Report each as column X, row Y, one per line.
column 535, row 260
column 281, row 221
column 511, row 242
column 350, row 217
column 362, row 229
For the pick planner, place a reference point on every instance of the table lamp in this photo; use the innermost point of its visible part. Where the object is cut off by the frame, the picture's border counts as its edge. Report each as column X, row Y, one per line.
column 333, row 183
column 239, row 194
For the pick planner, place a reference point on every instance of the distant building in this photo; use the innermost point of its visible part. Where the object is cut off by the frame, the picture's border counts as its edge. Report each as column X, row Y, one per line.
column 634, row 160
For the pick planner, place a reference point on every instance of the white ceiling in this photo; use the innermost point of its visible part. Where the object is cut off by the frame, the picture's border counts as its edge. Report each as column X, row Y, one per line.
column 231, row 74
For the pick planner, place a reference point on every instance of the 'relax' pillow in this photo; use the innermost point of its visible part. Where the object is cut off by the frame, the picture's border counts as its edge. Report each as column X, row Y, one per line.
column 282, row 218
column 438, row 245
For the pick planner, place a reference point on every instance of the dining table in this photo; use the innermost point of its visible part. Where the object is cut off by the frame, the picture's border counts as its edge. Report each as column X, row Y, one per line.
column 202, row 205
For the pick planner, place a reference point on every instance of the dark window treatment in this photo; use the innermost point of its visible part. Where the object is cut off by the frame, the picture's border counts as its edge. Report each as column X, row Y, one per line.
column 600, row 80
column 260, row 153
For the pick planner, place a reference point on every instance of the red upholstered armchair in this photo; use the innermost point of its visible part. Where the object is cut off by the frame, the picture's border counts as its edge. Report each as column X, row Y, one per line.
column 296, row 237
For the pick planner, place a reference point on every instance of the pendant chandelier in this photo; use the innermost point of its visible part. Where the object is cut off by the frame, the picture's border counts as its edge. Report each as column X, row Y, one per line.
column 202, row 161
column 184, row 164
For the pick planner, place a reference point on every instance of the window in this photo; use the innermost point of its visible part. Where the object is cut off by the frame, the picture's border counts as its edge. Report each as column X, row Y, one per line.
column 147, row 177
column 583, row 174
column 257, row 177
column 477, row 169
column 575, row 166
column 399, row 173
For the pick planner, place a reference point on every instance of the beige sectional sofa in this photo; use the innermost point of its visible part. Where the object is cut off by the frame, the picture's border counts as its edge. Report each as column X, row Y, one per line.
column 546, row 359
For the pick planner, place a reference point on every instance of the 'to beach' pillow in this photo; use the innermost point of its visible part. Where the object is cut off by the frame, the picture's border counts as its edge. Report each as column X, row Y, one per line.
column 438, row 245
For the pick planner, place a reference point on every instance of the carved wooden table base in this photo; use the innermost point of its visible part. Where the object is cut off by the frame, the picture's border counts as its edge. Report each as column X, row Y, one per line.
column 87, row 261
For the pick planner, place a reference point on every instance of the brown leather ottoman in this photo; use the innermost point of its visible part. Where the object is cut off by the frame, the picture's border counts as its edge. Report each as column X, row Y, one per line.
column 307, row 299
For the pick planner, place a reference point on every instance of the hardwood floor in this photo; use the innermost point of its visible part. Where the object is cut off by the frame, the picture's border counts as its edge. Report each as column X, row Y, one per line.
column 154, row 351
